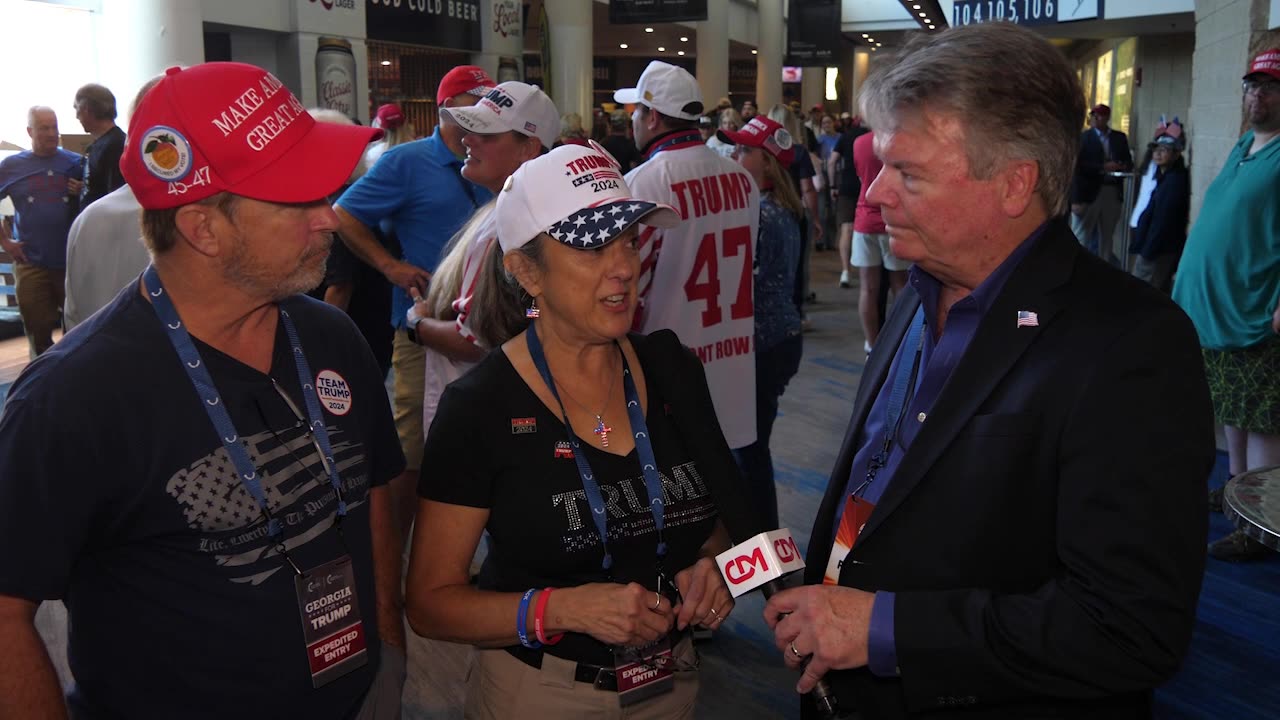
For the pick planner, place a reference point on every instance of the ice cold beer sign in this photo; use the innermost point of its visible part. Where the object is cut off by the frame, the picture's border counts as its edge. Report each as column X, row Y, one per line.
column 453, row 24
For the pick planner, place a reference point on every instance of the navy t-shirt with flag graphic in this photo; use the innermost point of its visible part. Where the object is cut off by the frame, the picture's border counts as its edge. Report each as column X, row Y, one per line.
column 127, row 506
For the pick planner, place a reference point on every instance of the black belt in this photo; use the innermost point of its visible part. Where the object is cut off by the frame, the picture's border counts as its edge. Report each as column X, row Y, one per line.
column 603, row 678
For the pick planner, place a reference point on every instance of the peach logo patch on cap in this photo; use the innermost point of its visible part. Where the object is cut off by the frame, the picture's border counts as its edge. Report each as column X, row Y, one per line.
column 165, row 153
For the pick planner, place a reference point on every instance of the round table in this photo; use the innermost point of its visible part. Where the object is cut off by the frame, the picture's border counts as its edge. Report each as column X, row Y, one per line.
column 1252, row 501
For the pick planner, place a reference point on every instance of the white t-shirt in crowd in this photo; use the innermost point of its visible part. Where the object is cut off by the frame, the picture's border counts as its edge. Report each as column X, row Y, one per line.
column 697, row 278
column 104, row 253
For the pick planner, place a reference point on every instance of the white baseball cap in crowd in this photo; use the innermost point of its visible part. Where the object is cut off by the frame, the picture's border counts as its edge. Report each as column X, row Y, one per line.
column 576, row 195
column 666, row 88
column 510, row 107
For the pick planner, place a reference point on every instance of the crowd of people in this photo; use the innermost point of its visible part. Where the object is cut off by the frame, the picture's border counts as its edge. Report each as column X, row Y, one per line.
column 588, row 350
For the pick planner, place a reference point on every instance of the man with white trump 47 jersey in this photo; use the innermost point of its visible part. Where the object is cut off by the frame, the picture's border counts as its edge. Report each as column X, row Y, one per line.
column 199, row 470
column 697, row 278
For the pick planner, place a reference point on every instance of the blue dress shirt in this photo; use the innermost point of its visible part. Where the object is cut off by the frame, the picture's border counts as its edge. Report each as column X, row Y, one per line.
column 938, row 358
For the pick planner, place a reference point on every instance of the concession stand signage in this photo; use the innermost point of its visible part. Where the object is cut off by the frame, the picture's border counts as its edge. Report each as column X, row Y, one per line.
column 634, row 12
column 813, row 33
column 450, row 24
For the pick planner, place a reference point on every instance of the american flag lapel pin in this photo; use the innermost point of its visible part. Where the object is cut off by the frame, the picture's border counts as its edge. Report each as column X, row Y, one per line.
column 1026, row 318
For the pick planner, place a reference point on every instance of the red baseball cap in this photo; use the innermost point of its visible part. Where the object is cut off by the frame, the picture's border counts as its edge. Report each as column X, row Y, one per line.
column 225, row 126
column 1267, row 62
column 1100, row 109
column 389, row 116
column 468, row 79
column 765, row 133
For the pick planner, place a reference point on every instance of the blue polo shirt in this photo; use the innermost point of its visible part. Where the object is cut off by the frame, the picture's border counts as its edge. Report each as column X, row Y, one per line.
column 417, row 191
column 938, row 359
column 1228, row 280
column 43, row 208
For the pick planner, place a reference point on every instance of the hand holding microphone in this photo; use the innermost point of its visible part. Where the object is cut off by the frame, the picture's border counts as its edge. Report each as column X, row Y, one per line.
column 819, row 628
column 770, row 561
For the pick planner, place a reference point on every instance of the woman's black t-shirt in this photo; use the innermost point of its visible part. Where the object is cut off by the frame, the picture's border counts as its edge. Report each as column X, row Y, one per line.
column 495, row 445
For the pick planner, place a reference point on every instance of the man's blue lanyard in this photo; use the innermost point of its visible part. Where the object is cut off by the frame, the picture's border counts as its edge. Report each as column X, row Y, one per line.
column 213, row 405
column 644, row 448
column 897, row 405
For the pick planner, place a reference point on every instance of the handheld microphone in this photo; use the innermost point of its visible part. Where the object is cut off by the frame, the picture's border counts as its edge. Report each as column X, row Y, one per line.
column 770, row 561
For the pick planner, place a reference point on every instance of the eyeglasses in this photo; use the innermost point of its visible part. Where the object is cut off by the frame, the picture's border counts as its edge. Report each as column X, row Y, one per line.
column 300, row 424
column 1261, row 88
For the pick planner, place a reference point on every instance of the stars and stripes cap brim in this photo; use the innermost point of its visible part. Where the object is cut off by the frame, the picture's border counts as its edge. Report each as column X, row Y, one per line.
column 577, row 195
column 595, row 227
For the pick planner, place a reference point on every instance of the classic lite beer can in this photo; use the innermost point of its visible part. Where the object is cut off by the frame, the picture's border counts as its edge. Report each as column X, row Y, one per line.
column 336, row 75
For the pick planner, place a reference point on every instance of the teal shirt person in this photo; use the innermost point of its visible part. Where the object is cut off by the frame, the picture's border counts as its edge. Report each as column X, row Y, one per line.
column 1228, row 281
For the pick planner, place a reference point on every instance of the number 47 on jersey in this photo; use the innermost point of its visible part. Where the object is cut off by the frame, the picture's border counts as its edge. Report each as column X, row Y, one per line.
column 704, row 282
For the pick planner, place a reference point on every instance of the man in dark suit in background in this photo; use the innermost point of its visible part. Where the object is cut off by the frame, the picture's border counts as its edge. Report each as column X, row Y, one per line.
column 1015, row 524
column 1096, row 198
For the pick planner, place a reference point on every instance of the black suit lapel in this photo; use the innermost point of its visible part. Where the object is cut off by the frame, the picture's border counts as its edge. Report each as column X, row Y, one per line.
column 995, row 347
column 873, row 376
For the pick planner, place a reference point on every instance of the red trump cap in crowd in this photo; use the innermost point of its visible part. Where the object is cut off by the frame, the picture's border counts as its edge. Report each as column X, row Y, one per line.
column 464, row 79
column 389, row 116
column 1267, row 62
column 232, row 127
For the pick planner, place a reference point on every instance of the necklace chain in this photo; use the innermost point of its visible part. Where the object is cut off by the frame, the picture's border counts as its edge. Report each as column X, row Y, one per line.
column 613, row 381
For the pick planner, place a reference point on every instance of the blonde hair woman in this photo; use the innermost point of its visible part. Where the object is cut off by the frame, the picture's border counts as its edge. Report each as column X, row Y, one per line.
column 765, row 150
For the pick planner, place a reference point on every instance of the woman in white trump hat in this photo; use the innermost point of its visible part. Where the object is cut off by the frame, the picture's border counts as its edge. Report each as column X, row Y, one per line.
column 593, row 460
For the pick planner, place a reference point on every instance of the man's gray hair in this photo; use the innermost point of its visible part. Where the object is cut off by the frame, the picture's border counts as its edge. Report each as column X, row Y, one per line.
column 100, row 102
column 36, row 109
column 1014, row 94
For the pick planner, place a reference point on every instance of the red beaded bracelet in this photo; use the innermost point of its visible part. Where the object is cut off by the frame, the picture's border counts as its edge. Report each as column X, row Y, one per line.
column 538, row 613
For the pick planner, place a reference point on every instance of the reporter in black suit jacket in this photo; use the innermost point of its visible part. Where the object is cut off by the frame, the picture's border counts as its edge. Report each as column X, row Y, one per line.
column 1037, row 539
column 1096, row 199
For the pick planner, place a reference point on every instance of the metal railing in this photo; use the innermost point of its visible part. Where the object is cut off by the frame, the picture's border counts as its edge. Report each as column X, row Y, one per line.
column 1127, row 199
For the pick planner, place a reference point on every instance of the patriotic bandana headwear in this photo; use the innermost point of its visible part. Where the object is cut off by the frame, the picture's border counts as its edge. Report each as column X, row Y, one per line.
column 576, row 195
column 1169, row 133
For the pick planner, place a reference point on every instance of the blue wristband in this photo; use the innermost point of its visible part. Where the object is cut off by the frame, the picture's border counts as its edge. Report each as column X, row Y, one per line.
column 522, row 618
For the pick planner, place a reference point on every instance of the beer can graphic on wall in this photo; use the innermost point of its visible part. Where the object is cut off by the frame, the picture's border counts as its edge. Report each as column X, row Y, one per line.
column 336, row 76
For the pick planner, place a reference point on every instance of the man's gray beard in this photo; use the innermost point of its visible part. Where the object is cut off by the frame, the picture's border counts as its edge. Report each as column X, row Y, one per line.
column 239, row 272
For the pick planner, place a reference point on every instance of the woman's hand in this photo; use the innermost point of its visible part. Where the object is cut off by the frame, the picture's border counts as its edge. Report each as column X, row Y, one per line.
column 706, row 599
column 627, row 615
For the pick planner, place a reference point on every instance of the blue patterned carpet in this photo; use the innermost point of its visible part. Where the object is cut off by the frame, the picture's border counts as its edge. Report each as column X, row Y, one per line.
column 1235, row 653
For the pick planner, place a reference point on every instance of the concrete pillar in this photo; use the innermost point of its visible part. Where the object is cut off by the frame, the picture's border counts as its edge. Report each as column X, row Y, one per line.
column 501, row 40
column 813, row 87
column 861, row 66
column 713, row 53
column 570, row 74
column 138, row 39
column 769, row 58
